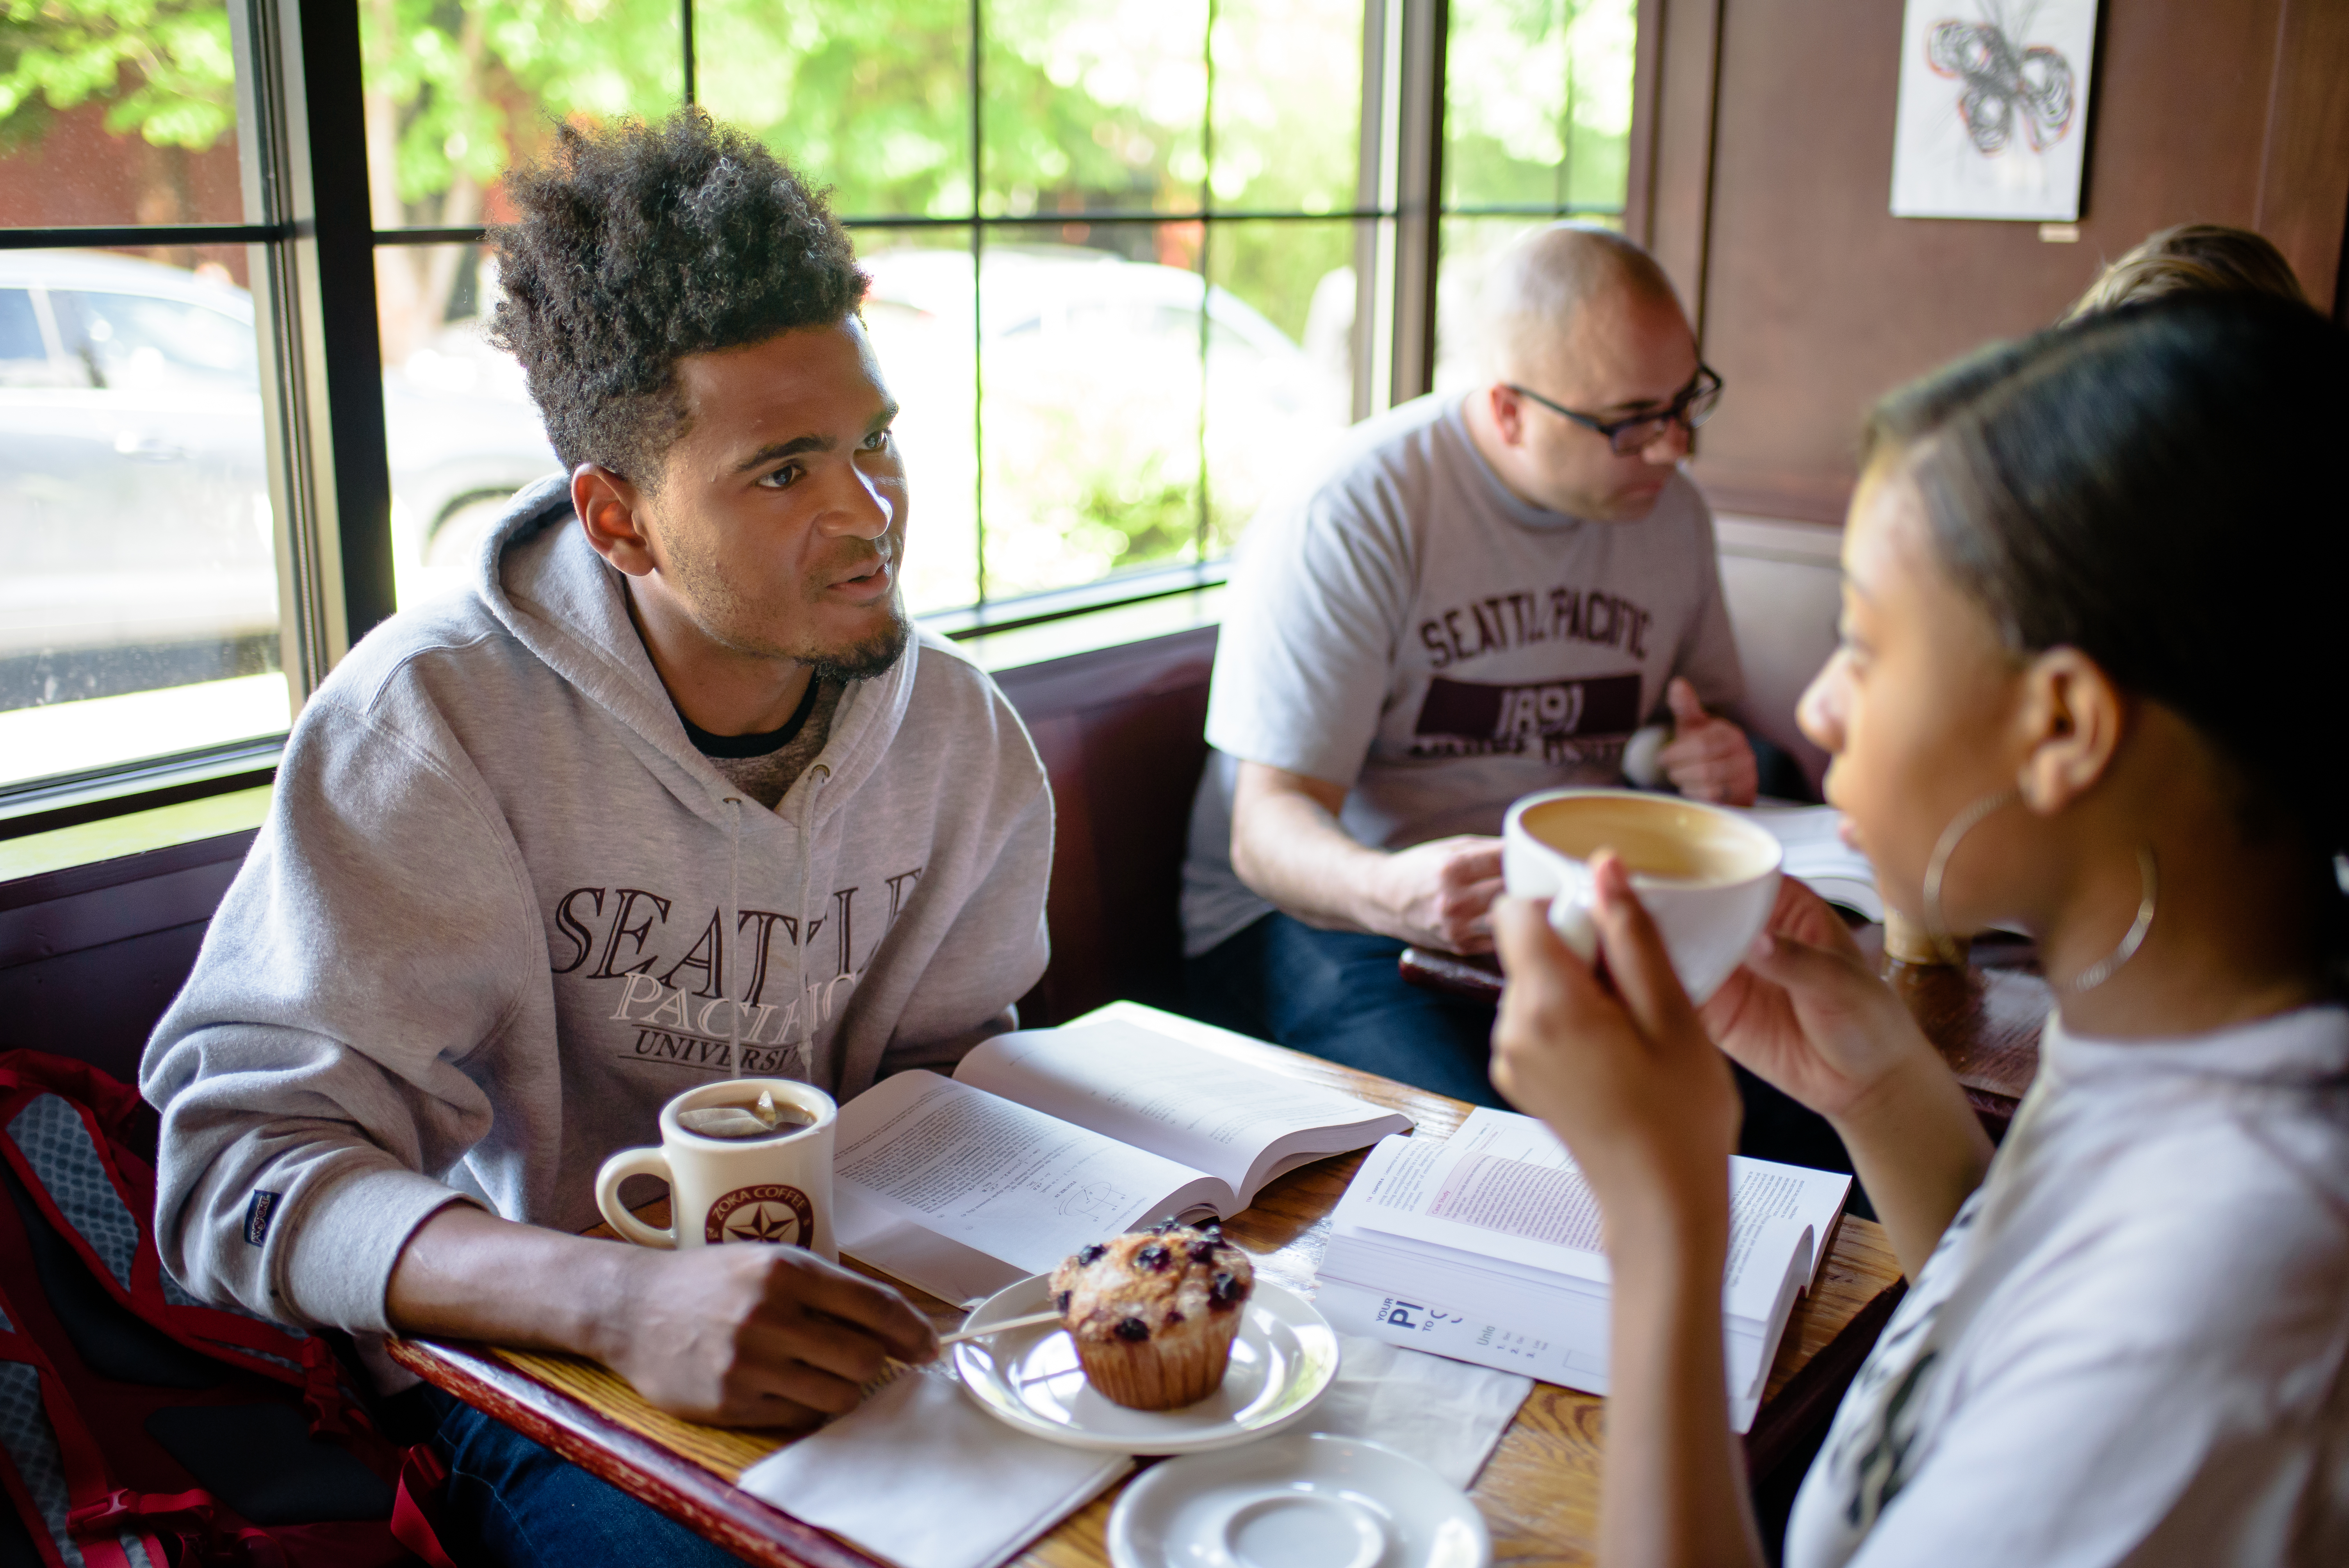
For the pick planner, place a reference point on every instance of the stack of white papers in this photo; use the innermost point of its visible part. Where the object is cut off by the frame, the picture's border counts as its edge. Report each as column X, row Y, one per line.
column 922, row 1477
column 1448, row 1416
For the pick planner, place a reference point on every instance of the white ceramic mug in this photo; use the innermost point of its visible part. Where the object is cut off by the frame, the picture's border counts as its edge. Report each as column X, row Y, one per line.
column 1708, row 877
column 772, row 1189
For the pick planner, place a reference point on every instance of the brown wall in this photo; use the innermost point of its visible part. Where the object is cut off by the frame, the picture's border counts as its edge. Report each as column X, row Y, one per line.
column 1766, row 191
column 76, row 171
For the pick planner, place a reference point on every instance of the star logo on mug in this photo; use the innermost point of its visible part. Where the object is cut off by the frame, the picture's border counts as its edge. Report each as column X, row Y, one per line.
column 766, row 1213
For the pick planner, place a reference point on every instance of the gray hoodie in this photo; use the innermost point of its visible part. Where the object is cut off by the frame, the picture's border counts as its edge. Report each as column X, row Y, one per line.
column 502, row 912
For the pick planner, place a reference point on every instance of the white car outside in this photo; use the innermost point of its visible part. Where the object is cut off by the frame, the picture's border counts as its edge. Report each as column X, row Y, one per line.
column 1093, row 407
column 134, row 502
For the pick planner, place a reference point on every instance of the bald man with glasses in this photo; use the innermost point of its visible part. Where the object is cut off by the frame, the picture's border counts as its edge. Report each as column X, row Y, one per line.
column 1481, row 597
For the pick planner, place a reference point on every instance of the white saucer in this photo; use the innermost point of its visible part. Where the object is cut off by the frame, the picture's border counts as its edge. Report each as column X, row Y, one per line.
column 1311, row 1500
column 1284, row 1355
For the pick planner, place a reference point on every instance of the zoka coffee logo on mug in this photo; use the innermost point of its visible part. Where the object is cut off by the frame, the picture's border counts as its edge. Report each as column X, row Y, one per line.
column 749, row 1160
column 1708, row 877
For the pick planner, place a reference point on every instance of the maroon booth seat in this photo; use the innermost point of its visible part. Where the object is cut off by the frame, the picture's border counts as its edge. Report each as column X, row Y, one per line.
column 91, row 955
column 1122, row 731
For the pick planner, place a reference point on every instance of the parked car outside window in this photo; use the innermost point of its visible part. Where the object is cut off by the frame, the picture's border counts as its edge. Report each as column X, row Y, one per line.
column 134, row 500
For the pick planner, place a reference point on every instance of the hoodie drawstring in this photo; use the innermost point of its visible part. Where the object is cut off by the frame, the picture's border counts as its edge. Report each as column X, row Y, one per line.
column 817, row 775
column 730, row 937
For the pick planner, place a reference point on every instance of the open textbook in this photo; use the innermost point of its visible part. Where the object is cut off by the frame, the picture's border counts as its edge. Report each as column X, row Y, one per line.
column 1818, row 857
column 1486, row 1247
column 1046, row 1139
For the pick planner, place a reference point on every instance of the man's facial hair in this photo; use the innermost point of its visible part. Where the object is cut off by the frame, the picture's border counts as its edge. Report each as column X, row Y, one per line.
column 868, row 658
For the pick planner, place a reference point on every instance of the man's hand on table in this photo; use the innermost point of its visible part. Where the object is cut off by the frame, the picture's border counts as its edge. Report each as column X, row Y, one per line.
column 752, row 1335
column 742, row 1335
column 1708, row 759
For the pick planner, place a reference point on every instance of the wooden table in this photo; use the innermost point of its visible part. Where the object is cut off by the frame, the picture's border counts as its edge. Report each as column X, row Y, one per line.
column 1984, row 1018
column 1539, row 1492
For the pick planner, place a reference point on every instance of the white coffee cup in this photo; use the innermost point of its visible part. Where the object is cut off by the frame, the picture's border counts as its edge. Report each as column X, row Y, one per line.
column 1708, row 877
column 772, row 1189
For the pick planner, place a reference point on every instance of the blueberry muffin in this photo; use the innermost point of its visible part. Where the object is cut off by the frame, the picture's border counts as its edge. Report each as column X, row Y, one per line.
column 1153, row 1313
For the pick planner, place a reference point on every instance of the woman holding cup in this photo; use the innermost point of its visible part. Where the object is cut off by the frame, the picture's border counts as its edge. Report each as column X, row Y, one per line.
column 2091, row 684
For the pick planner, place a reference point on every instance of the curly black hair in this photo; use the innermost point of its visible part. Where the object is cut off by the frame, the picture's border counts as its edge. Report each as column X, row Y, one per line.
column 640, row 244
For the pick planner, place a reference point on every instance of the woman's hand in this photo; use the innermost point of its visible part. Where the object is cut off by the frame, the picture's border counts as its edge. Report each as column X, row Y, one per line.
column 1808, row 1013
column 1621, row 1068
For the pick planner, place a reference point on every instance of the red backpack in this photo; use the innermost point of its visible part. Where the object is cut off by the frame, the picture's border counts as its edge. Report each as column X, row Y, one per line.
column 141, row 1427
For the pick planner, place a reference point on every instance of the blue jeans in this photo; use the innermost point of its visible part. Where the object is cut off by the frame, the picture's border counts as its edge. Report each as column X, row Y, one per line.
column 1338, row 995
column 511, row 1502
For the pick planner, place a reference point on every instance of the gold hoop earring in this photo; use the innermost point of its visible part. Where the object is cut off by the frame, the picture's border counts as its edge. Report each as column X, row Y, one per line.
column 1937, row 929
column 2096, row 973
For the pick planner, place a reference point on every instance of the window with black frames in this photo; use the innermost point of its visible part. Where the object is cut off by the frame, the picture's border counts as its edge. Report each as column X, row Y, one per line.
column 1133, row 263
column 150, row 610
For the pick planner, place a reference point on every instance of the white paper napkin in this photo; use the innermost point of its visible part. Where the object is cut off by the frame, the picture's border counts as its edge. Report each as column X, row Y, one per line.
column 922, row 1477
column 1447, row 1415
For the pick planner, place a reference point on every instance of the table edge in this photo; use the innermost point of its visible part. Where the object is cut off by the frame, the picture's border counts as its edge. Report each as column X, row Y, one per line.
column 626, row 1460
column 686, row 1488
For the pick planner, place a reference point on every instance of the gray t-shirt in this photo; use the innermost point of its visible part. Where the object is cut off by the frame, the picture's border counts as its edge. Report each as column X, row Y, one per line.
column 1410, row 629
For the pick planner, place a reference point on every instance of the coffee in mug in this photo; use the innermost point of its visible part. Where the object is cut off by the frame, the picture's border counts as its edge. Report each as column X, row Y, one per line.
column 747, row 1160
column 1707, row 876
column 760, row 1118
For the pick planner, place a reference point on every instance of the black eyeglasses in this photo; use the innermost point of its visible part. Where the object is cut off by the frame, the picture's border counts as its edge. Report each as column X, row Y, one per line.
column 1691, row 407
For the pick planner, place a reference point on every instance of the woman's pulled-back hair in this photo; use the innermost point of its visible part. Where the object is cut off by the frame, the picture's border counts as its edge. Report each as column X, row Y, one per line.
column 2191, row 258
column 640, row 244
column 2148, row 486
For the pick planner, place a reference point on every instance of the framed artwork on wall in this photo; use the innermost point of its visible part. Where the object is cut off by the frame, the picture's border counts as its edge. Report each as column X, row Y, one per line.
column 1993, row 116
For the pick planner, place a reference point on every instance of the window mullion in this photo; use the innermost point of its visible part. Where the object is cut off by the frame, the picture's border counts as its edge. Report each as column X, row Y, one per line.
column 293, row 405
column 1206, row 274
column 345, row 578
column 1419, row 226
column 1370, row 182
column 977, row 314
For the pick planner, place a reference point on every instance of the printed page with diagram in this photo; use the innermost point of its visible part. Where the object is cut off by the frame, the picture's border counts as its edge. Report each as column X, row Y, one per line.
column 960, row 1192
column 1210, row 1111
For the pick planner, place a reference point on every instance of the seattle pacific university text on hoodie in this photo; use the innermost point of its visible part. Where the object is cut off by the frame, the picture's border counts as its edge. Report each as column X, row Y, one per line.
column 502, row 912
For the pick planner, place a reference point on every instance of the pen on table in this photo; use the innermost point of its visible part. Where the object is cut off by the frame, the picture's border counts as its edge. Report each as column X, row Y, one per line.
column 1032, row 1320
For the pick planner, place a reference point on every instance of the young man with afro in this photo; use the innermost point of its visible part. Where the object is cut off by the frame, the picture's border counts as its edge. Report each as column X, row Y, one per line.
column 673, row 793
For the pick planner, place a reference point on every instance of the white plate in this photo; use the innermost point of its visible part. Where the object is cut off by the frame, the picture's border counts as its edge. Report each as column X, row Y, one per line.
column 1312, row 1500
column 1284, row 1355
